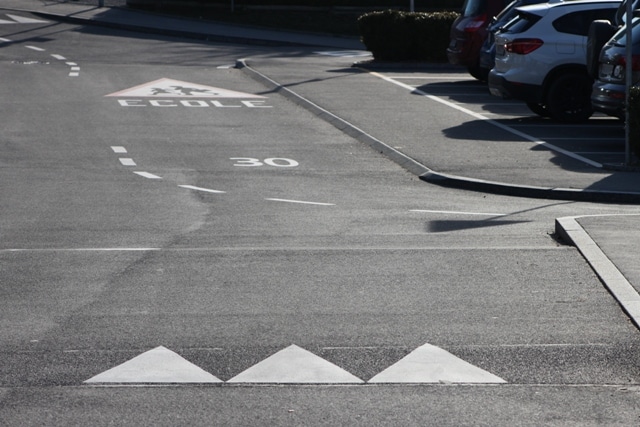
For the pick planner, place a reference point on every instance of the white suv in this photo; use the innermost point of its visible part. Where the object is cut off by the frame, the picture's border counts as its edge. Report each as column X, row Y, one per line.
column 541, row 57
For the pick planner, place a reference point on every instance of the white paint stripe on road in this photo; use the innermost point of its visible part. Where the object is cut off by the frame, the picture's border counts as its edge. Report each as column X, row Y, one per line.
column 490, row 121
column 81, row 250
column 39, row 49
column 127, row 161
column 206, row 190
column 58, row 57
column 458, row 212
column 71, row 64
column 2, row 39
column 300, row 201
column 118, row 149
column 74, row 74
column 148, row 175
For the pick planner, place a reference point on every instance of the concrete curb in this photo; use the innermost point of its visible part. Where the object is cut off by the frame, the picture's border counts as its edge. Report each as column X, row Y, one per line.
column 571, row 231
column 428, row 175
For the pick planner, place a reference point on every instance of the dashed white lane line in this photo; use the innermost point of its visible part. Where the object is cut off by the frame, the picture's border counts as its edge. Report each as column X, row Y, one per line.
column 147, row 175
column 125, row 161
column 458, row 212
column 299, row 201
column 58, row 57
column 118, row 149
column 36, row 48
column 206, row 190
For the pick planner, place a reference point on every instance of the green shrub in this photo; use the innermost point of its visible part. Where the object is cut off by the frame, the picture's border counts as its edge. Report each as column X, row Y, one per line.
column 634, row 120
column 393, row 35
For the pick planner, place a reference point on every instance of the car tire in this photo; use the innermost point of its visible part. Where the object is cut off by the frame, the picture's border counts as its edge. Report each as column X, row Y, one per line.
column 539, row 109
column 478, row 73
column 600, row 32
column 569, row 98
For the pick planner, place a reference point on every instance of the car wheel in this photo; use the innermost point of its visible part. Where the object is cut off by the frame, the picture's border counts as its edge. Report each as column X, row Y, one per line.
column 569, row 98
column 478, row 72
column 600, row 32
column 539, row 109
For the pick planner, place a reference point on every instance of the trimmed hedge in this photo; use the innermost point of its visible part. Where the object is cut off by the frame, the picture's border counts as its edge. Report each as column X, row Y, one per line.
column 393, row 35
column 634, row 120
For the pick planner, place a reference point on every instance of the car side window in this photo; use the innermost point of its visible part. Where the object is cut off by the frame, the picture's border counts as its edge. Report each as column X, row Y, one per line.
column 578, row 22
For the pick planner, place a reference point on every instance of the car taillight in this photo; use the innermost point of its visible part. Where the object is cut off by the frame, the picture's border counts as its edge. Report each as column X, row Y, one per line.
column 523, row 46
column 475, row 24
column 620, row 67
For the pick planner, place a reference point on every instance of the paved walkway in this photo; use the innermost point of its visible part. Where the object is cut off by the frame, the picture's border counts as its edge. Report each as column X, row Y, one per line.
column 611, row 244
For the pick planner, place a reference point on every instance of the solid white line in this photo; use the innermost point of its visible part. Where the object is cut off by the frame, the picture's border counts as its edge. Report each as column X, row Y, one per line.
column 82, row 250
column 458, row 212
column 127, row 162
column 490, row 121
column 58, row 57
column 148, row 175
column 300, row 201
column 39, row 49
column 118, row 149
column 206, row 190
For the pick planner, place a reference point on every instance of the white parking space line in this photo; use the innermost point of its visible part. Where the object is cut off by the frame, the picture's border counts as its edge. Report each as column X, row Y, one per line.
column 457, row 212
column 148, row 175
column 490, row 121
column 206, row 190
column 300, row 201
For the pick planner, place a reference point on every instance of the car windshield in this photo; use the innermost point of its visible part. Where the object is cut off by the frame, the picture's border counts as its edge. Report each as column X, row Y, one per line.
column 474, row 7
column 620, row 38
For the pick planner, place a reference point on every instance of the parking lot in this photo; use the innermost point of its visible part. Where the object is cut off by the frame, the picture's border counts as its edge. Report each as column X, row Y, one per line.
column 600, row 142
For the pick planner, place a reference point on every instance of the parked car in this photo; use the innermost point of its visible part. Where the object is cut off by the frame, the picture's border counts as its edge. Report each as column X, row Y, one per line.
column 541, row 57
column 468, row 32
column 488, row 48
column 608, row 64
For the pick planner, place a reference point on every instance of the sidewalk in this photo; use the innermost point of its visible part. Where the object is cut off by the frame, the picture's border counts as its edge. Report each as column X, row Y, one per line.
column 611, row 244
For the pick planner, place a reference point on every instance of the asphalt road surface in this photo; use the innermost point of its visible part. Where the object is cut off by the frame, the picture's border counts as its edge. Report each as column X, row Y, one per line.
column 181, row 245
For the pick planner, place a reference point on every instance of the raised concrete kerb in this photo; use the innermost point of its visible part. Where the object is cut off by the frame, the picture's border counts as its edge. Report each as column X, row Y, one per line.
column 427, row 174
column 353, row 131
column 571, row 231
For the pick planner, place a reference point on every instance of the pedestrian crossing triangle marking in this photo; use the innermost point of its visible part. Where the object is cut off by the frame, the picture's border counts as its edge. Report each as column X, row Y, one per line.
column 158, row 365
column 295, row 365
column 169, row 88
column 15, row 19
column 431, row 364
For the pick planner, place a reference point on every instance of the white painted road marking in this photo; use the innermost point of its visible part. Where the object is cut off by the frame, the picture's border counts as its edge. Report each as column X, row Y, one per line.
column 431, row 364
column 25, row 20
column 118, row 149
column 169, row 88
column 458, row 212
column 295, row 365
column 148, row 175
column 127, row 161
column 206, row 190
column 300, row 201
column 159, row 365
column 36, row 48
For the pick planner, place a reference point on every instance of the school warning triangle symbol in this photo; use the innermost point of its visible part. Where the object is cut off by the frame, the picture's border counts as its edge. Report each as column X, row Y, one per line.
column 169, row 88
